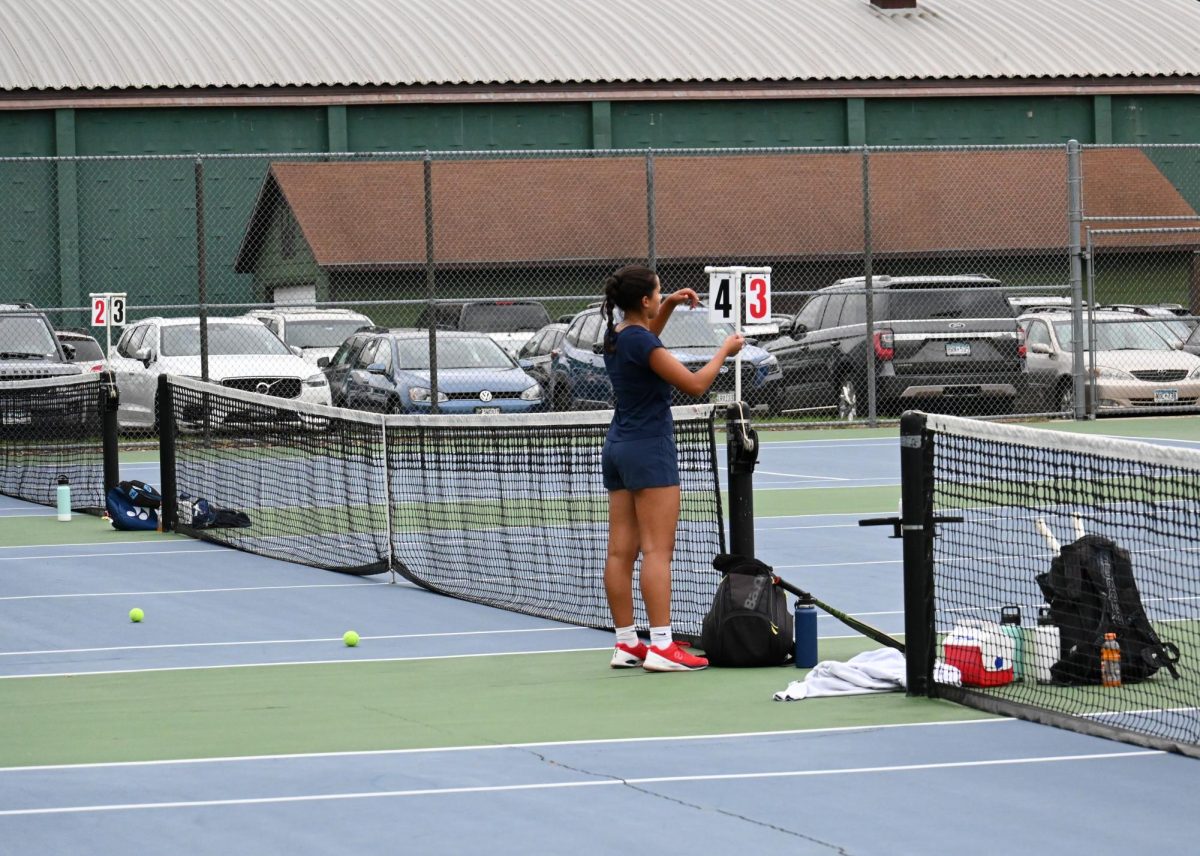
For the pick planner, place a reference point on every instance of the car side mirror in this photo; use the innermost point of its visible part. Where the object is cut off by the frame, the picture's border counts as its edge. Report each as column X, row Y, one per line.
column 146, row 355
column 798, row 330
column 68, row 351
column 377, row 368
column 598, row 348
column 323, row 363
column 1039, row 348
column 525, row 363
column 295, row 349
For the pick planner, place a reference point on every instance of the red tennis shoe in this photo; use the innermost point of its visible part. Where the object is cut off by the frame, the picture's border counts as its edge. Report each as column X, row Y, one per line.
column 675, row 658
column 628, row 656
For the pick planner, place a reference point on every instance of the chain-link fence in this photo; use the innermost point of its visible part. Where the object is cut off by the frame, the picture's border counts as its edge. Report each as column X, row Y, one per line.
column 469, row 282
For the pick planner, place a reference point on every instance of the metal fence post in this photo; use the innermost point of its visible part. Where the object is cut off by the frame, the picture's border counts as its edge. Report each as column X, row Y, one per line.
column 430, row 283
column 1074, row 226
column 651, row 252
column 201, row 269
column 868, row 283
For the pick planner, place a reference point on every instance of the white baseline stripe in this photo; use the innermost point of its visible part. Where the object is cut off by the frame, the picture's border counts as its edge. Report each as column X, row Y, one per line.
column 40, row 556
column 157, row 542
column 187, row 591
column 646, row 780
column 841, row 564
column 492, row 747
column 84, row 674
column 286, row 641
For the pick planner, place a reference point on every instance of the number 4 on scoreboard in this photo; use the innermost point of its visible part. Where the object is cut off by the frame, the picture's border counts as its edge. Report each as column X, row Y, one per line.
column 722, row 298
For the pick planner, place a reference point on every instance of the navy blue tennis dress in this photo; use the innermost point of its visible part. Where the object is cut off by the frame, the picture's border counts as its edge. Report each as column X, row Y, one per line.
column 639, row 451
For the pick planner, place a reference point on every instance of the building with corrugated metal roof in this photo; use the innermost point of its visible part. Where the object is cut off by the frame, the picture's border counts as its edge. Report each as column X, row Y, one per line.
column 255, row 77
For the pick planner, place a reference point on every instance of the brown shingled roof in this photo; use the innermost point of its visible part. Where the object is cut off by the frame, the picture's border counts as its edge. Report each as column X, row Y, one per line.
column 775, row 206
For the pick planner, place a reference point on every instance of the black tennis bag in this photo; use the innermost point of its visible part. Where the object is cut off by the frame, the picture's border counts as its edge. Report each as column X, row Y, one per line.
column 1091, row 590
column 749, row 623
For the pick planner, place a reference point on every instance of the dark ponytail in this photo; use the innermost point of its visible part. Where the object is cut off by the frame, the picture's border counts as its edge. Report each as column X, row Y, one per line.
column 624, row 290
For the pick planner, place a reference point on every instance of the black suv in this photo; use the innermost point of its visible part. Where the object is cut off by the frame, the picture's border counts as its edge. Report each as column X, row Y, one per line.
column 28, row 346
column 934, row 339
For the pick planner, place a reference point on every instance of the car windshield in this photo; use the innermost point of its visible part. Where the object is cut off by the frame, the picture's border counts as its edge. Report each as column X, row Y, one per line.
column 504, row 317
column 687, row 329
column 919, row 303
column 321, row 334
column 473, row 353
column 86, row 350
column 26, row 335
column 1119, row 335
column 183, row 340
column 1173, row 330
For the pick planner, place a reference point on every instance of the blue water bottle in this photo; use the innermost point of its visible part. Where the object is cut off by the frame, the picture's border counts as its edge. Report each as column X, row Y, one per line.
column 806, row 633
column 63, row 496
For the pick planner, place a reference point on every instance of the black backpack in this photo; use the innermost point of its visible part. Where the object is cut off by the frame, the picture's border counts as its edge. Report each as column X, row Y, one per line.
column 1092, row 591
column 749, row 623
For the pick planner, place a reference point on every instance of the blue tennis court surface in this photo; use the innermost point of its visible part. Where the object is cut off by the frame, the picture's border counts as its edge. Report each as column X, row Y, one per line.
column 233, row 719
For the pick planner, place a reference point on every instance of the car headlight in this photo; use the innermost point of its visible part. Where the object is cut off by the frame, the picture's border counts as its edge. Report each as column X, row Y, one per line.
column 316, row 380
column 533, row 393
column 771, row 365
column 421, row 393
column 1111, row 373
column 1195, row 372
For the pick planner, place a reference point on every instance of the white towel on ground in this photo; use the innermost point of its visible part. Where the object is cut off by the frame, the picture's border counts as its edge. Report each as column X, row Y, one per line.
column 876, row 671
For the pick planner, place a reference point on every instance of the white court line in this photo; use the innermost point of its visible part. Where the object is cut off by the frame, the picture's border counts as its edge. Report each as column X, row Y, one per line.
column 194, row 549
column 839, row 564
column 88, row 673
column 492, row 747
column 187, row 591
column 170, row 539
column 607, row 782
column 801, row 476
column 286, row 641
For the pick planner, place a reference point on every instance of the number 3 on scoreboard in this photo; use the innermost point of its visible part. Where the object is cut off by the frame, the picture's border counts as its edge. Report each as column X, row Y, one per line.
column 758, row 297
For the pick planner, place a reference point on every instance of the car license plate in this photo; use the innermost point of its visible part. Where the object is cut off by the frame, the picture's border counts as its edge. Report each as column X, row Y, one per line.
column 958, row 349
column 722, row 398
column 487, row 411
column 1165, row 396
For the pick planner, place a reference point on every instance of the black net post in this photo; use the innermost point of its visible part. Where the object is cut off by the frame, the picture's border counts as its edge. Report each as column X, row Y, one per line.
column 166, row 454
column 742, row 445
column 916, row 497
column 109, row 399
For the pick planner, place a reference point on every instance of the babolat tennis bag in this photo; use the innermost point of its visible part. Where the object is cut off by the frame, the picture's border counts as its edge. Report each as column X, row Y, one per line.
column 1091, row 590
column 749, row 623
column 133, row 505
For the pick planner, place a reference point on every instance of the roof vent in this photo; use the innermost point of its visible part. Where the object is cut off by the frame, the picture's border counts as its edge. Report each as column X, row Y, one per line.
column 894, row 4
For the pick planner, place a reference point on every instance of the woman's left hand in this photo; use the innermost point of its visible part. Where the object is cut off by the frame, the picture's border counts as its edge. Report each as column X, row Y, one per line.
column 685, row 295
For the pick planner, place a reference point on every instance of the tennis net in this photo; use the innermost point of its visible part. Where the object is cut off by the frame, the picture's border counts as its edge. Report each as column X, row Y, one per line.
column 509, row 511
column 52, row 428
column 1036, row 524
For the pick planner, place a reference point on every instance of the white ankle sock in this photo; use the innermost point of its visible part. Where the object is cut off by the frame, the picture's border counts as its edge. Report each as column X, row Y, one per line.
column 660, row 637
column 627, row 636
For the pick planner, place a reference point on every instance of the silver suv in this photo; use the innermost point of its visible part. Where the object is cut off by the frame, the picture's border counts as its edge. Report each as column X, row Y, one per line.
column 312, row 333
column 28, row 347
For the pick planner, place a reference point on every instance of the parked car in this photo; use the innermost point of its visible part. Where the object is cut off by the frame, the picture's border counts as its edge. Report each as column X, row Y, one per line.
column 388, row 371
column 936, row 340
column 1167, row 318
column 688, row 336
column 85, row 350
column 1135, row 366
column 315, row 332
column 242, row 354
column 28, row 347
column 537, row 358
column 510, row 323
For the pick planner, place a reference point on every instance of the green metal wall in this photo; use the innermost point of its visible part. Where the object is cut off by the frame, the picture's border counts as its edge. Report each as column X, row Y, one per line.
column 70, row 228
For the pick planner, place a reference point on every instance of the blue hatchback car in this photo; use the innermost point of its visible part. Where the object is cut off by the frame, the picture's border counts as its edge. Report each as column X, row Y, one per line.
column 388, row 371
column 688, row 336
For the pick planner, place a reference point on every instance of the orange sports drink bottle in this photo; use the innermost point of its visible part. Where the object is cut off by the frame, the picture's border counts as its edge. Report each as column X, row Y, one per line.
column 1110, row 661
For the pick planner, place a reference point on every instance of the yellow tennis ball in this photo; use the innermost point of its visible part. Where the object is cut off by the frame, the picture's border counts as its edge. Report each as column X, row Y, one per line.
column 350, row 638
column 136, row 615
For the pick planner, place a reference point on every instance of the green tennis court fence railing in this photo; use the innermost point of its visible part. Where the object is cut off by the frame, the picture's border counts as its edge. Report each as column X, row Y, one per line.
column 59, row 427
column 1015, row 520
column 504, row 510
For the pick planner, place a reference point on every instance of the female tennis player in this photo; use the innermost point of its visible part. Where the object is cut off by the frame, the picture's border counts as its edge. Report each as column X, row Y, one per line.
column 641, row 463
